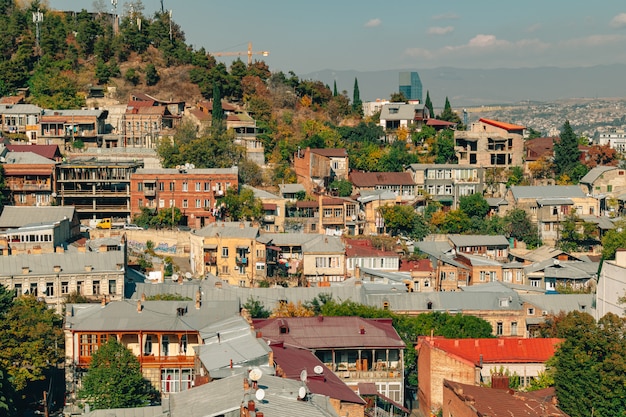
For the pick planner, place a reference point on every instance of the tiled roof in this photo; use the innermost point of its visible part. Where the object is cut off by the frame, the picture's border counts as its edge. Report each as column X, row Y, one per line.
column 539, row 147
column 418, row 265
column 293, row 360
column 372, row 179
column 509, row 350
column 492, row 402
column 502, row 125
column 439, row 123
column 331, row 332
column 356, row 248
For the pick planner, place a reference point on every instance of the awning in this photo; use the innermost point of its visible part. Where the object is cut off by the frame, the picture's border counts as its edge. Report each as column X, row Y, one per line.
column 210, row 247
column 269, row 206
column 243, row 247
column 276, row 248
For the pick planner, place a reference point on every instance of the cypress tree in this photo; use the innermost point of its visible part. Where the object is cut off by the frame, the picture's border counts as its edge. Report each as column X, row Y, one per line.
column 217, row 114
column 335, row 89
column 429, row 104
column 357, row 104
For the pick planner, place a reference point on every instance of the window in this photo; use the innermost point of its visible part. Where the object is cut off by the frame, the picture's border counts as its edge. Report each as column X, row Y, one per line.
column 172, row 186
column 79, row 287
column 140, row 186
column 225, row 252
column 185, row 204
column 198, row 203
column 176, row 380
column 504, row 302
column 207, row 186
column 96, row 288
column 483, row 275
column 386, row 305
column 609, row 188
column 185, row 186
column 112, row 286
column 492, row 275
column 65, row 287
column 242, row 282
column 514, row 328
column 328, row 212
column 555, row 211
column 165, row 345
column 88, row 344
column 442, row 276
column 198, row 186
column 313, row 227
column 499, row 328
column 260, row 266
column 224, row 269
column 49, row 289
column 530, row 311
column 147, row 346
column 183, row 344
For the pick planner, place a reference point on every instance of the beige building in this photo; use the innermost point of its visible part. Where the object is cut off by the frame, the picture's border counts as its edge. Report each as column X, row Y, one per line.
column 608, row 185
column 230, row 251
column 490, row 144
column 273, row 217
column 324, row 260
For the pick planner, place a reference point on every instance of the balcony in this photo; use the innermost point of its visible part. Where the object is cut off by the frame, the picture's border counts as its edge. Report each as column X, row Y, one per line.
column 269, row 218
column 241, row 260
column 210, row 259
column 149, row 193
column 29, row 186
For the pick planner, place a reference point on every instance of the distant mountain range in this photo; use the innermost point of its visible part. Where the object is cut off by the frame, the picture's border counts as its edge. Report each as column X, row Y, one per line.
column 475, row 87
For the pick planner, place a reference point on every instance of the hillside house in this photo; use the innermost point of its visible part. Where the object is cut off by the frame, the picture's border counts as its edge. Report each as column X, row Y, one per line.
column 490, row 144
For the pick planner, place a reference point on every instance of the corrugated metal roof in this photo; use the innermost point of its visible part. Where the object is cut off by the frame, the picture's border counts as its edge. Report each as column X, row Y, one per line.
column 556, row 303
column 223, row 396
column 324, row 244
column 502, row 125
column 15, row 158
column 14, row 216
column 555, row 202
column 262, row 194
column 328, row 332
column 154, row 411
column 290, row 188
column 595, row 173
column 70, row 263
column 232, row 230
column 172, row 171
column 478, row 240
column 373, row 179
column 450, row 301
column 546, row 191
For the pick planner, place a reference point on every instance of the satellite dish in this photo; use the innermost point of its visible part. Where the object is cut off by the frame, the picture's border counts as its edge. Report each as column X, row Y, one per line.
column 301, row 392
column 188, row 275
column 318, row 369
column 303, row 375
column 255, row 374
column 54, row 195
column 259, row 394
column 174, row 277
column 353, row 217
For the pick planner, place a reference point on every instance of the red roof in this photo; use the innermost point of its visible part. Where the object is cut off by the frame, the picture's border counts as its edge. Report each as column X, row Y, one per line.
column 439, row 123
column 539, row 147
column 331, row 332
column 332, row 152
column 419, row 265
column 372, row 179
column 293, row 361
column 492, row 402
column 502, row 125
column 501, row 350
column 363, row 248
column 307, row 204
column 225, row 105
column 47, row 151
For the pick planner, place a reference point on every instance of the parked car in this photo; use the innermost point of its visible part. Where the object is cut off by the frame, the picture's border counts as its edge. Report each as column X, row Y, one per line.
column 132, row 227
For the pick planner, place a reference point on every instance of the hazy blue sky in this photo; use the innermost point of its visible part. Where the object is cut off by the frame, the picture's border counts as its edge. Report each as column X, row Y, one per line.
column 377, row 35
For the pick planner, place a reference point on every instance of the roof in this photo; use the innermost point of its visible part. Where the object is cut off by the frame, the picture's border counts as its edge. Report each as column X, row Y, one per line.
column 293, row 361
column 546, row 191
column 486, row 401
column 154, row 316
column 70, row 263
column 538, row 147
column 223, row 230
column 496, row 201
column 262, row 194
column 225, row 396
column 439, row 123
column 208, row 171
column 20, row 109
column 478, row 240
column 152, row 411
column 556, row 303
column 27, row 158
column 331, row 152
column 502, row 125
column 372, row 179
column 417, row 265
column 595, row 173
column 14, row 216
column 290, row 188
column 555, row 202
column 501, row 350
column 356, row 248
column 401, row 111
column 331, row 332
column 323, row 244
column 47, row 151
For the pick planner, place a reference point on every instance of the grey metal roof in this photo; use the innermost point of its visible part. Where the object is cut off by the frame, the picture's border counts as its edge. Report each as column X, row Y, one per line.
column 481, row 260
column 286, row 239
column 20, row 109
column 451, row 301
column 478, row 240
column 385, row 275
column 232, row 342
column 324, row 244
column 290, row 188
column 434, row 248
column 547, row 191
column 153, row 411
column 403, row 111
column 14, row 216
column 595, row 173
column 368, row 196
column 262, row 194
column 495, row 202
column 70, row 263
column 154, row 315
column 603, row 222
column 555, row 202
column 224, row 397
column 233, row 230
column 77, row 113
column 16, row 158
column 555, row 303
column 537, row 255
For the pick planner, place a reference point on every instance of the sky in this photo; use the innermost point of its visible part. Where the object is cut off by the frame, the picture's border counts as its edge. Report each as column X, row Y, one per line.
column 378, row 35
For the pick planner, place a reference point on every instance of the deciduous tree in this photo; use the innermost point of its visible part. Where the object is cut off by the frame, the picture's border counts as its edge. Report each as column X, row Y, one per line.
column 114, row 379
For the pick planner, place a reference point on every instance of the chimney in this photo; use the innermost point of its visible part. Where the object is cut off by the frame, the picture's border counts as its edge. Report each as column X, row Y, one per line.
column 246, row 384
column 358, row 283
column 362, row 330
column 259, row 414
column 259, row 334
column 242, row 225
column 57, row 268
column 79, row 249
column 198, row 299
column 499, row 381
column 250, row 406
column 102, row 248
column 103, row 302
column 25, row 270
column 59, row 249
column 139, row 306
column 218, row 284
column 320, row 318
column 180, row 279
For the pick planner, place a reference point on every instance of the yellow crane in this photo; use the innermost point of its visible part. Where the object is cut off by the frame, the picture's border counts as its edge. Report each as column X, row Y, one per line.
column 249, row 52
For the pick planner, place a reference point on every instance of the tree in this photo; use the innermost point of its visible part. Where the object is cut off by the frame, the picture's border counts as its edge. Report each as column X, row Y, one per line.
column 256, row 309
column 132, row 76
column 591, row 352
column 429, row 104
column 403, row 220
column 516, row 176
column 114, row 379
column 443, row 148
column 474, row 205
column 521, row 228
column 449, row 115
column 152, row 76
column 566, row 152
column 217, row 113
column 601, row 155
column 31, row 336
column 290, row 309
column 456, row 221
column 343, row 187
column 335, row 88
column 398, row 98
column 357, row 104
column 242, row 205
column 614, row 239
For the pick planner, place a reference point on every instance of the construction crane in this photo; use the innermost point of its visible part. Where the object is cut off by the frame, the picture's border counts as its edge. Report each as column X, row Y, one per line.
column 249, row 52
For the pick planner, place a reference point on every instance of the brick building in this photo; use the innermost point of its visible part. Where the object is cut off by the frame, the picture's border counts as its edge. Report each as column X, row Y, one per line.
column 194, row 191
column 317, row 168
column 490, row 143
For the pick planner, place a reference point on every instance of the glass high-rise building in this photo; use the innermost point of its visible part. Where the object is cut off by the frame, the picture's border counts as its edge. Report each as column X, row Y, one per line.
column 411, row 85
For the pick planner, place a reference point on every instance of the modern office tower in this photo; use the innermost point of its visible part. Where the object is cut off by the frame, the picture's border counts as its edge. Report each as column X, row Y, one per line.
column 411, row 85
